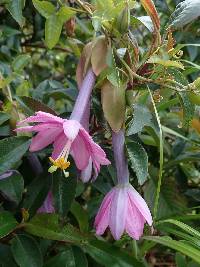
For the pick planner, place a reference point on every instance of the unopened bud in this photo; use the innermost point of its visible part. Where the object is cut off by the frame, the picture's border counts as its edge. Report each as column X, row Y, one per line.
column 123, row 20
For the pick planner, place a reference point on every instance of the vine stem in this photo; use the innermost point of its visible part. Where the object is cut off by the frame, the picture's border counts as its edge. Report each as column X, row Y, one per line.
column 161, row 83
column 155, row 211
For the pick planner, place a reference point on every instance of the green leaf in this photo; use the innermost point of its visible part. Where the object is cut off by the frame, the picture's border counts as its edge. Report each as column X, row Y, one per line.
column 4, row 117
column 6, row 258
column 7, row 223
column 180, row 246
column 81, row 216
column 26, row 251
column 139, row 160
column 45, row 8
column 142, row 117
column 169, row 191
column 12, row 150
column 180, row 260
column 185, row 12
column 38, row 227
column 113, row 102
column 64, row 190
column 108, row 255
column 188, row 108
column 15, row 8
column 166, row 63
column 80, row 257
column 53, row 25
column 72, row 257
column 12, row 186
column 31, row 105
column 183, row 226
column 20, row 62
column 36, row 193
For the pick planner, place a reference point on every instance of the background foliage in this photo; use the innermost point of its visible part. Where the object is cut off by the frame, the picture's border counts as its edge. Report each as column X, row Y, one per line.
column 41, row 43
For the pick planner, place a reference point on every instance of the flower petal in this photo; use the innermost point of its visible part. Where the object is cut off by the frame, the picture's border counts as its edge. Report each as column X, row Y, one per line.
column 86, row 173
column 140, row 204
column 58, row 145
column 43, row 139
column 118, row 212
column 42, row 117
column 103, row 215
column 80, row 153
column 71, row 129
column 134, row 221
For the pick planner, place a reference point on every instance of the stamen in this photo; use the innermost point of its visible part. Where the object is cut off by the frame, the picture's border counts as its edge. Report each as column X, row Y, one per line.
column 61, row 161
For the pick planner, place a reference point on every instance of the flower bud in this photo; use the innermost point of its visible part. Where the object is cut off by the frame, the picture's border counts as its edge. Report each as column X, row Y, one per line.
column 123, row 20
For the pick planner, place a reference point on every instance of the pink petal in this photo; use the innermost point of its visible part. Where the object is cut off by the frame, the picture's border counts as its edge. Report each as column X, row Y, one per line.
column 80, row 153
column 58, row 145
column 118, row 212
column 134, row 221
column 96, row 152
column 86, row 173
column 39, row 127
column 102, row 217
column 43, row 139
column 71, row 129
column 42, row 117
column 24, row 129
column 140, row 203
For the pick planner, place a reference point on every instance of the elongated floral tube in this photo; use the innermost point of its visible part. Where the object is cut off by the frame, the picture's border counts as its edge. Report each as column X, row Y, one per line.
column 83, row 98
column 122, row 209
column 118, row 142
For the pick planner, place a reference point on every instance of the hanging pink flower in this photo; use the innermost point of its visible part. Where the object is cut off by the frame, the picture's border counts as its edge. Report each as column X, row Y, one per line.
column 67, row 137
column 123, row 210
column 47, row 206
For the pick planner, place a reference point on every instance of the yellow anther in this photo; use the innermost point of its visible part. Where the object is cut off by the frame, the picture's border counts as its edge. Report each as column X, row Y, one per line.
column 60, row 163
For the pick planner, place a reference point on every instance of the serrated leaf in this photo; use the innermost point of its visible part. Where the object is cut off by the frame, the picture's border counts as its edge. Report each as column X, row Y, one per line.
column 64, row 190
column 12, row 186
column 45, row 8
column 7, row 223
column 12, row 150
column 139, row 160
column 141, row 117
column 113, row 103
column 184, row 13
column 26, row 251
column 15, row 8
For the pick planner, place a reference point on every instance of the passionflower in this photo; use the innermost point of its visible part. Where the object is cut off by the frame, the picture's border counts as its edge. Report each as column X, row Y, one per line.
column 67, row 135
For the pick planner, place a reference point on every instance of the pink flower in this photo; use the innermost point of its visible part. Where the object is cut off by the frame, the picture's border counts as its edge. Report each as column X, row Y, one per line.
column 67, row 136
column 123, row 210
column 47, row 206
